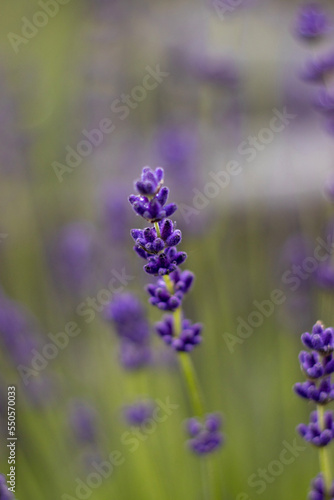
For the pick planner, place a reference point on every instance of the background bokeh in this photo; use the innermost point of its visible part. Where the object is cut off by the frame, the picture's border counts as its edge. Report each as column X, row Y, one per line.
column 64, row 233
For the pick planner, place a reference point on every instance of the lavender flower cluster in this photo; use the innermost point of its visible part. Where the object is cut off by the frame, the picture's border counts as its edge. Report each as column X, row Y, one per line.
column 318, row 365
column 206, row 437
column 157, row 245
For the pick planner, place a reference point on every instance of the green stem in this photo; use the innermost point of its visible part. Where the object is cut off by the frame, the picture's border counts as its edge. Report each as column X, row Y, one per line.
column 194, row 391
column 157, row 228
column 323, row 454
column 192, row 383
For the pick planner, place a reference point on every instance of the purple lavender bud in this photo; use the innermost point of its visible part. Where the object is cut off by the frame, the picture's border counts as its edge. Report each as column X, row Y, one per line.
column 321, row 339
column 151, row 210
column 206, row 437
column 83, row 422
column 162, row 298
column 170, row 209
column 312, row 22
column 137, row 234
column 194, row 427
column 139, row 413
column 148, row 242
column 5, row 493
column 141, row 252
column 174, row 239
column 322, row 394
column 128, row 316
column 213, row 422
column 311, row 364
column 162, row 196
column 318, row 489
column 150, row 182
column 166, row 229
column 134, row 356
column 165, row 300
column 186, row 340
column 314, row 433
column 165, row 262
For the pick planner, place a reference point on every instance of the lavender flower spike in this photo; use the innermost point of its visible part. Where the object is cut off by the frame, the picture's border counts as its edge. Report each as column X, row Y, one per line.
column 157, row 245
column 318, row 366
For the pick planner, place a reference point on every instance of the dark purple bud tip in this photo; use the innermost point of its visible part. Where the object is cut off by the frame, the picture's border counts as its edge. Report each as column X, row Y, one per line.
column 150, row 182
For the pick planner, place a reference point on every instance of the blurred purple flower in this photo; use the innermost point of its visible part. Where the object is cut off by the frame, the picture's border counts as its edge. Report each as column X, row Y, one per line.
column 205, row 437
column 133, row 355
column 138, row 413
column 5, row 493
column 127, row 314
column 75, row 255
column 83, row 422
column 312, row 22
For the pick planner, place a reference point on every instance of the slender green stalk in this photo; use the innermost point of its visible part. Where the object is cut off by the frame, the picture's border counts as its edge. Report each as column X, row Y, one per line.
column 192, row 383
column 195, row 395
column 193, row 386
column 323, row 453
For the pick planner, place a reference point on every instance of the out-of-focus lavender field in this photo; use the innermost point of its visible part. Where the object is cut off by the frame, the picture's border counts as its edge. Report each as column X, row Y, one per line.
column 234, row 100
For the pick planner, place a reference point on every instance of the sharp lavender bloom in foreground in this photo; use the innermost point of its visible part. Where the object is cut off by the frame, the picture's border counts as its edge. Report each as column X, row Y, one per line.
column 157, row 245
column 318, row 365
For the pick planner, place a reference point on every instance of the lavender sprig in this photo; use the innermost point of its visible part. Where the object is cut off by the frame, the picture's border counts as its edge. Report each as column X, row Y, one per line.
column 318, row 366
column 157, row 245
